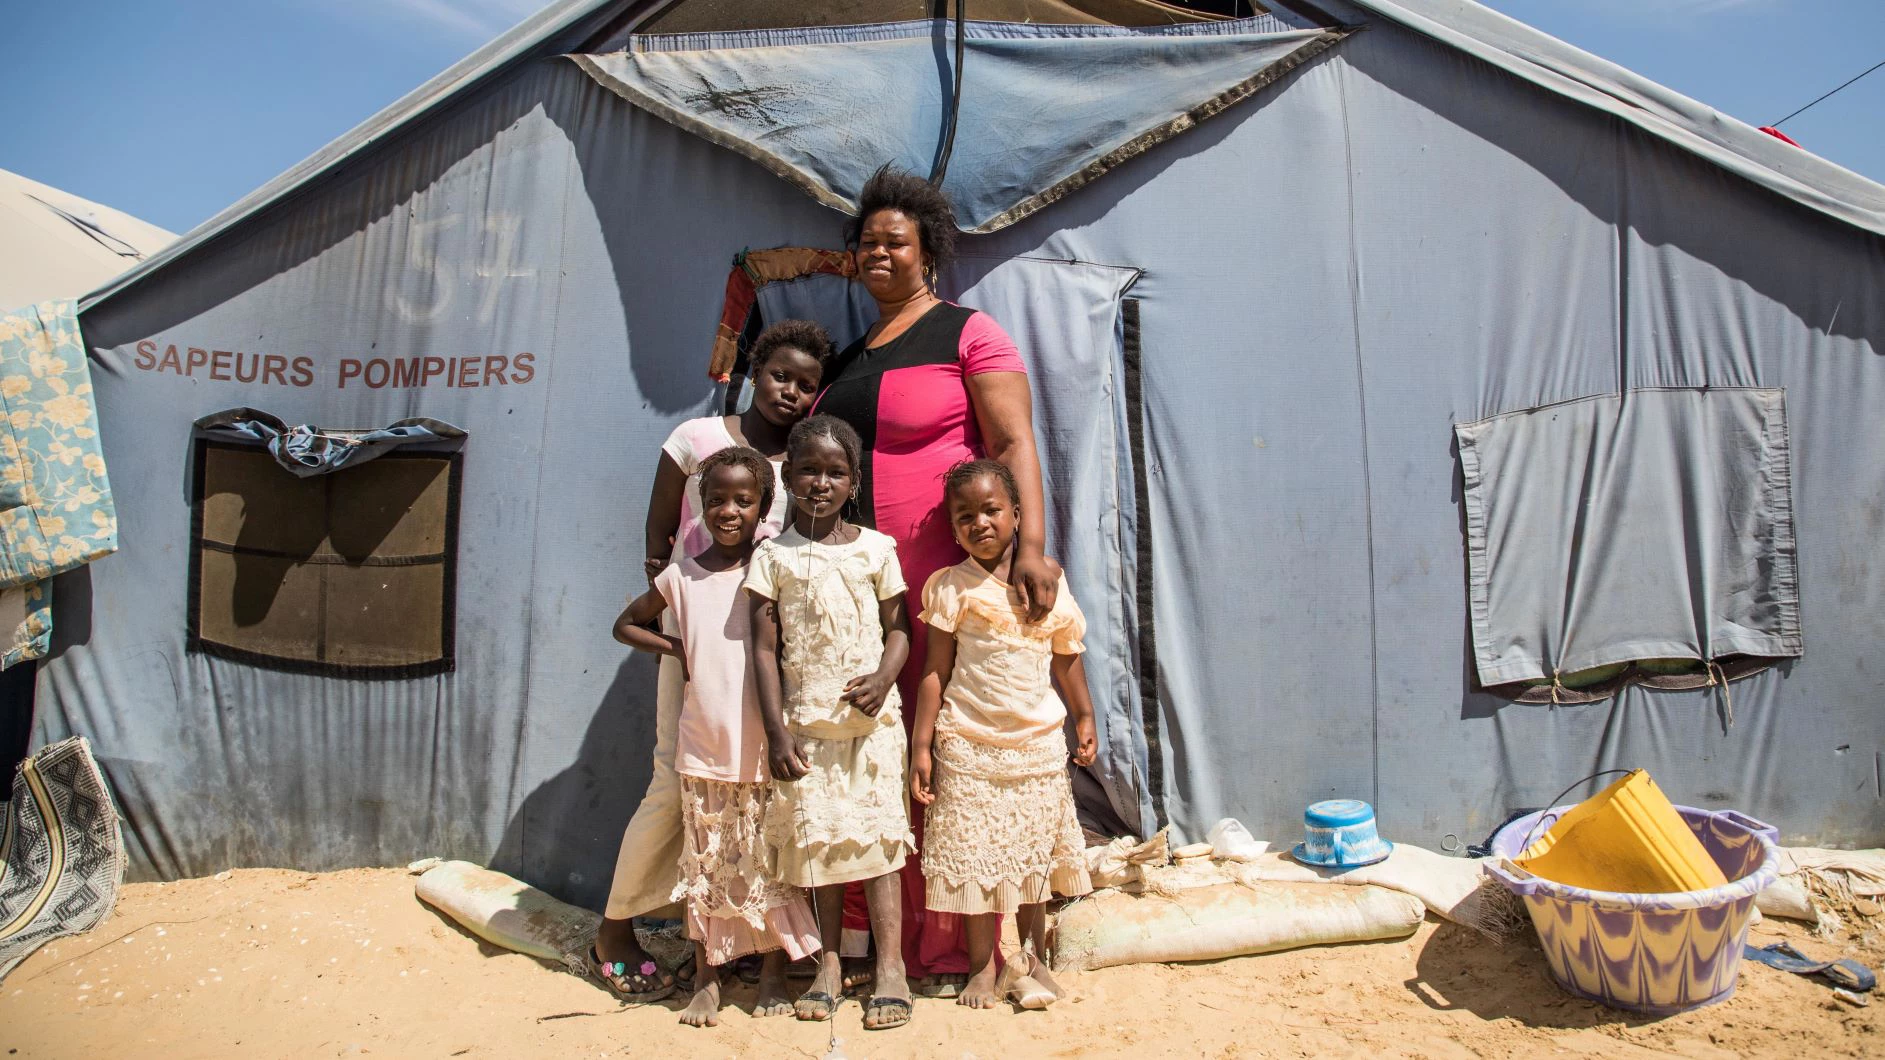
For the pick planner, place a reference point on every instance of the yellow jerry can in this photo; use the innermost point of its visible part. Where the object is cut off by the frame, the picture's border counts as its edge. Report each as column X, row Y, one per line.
column 1626, row 838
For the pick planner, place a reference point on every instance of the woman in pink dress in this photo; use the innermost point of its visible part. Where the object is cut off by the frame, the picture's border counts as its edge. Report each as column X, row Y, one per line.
column 930, row 384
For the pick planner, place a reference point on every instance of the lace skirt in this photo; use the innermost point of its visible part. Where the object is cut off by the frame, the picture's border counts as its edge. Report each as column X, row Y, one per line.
column 1002, row 832
column 732, row 908
column 846, row 820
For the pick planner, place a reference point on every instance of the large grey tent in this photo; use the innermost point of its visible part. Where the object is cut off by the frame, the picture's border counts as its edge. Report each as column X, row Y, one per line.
column 1396, row 365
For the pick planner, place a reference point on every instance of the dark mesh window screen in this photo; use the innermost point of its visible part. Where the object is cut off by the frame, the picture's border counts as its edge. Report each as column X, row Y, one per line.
column 349, row 574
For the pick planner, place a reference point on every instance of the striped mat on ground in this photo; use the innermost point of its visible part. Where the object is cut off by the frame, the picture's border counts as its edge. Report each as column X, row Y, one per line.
column 61, row 853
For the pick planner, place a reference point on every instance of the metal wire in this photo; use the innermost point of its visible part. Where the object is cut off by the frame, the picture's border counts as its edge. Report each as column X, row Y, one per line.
column 1553, row 804
column 1775, row 125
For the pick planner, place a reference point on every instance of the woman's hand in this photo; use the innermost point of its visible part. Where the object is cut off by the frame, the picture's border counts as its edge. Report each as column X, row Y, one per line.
column 1088, row 747
column 919, row 776
column 786, row 758
column 1037, row 579
column 652, row 566
column 868, row 691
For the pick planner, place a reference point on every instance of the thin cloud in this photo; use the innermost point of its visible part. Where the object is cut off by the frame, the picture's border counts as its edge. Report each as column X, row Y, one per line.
column 472, row 18
column 1684, row 8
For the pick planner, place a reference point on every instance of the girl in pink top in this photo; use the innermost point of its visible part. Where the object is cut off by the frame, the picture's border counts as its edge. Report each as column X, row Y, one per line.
column 720, row 750
column 786, row 365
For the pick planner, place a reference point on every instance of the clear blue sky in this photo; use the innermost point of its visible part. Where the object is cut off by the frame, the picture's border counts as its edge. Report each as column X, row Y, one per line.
column 173, row 109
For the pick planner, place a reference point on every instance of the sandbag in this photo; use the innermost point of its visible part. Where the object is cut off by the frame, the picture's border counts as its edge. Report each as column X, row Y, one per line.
column 1121, row 861
column 1226, row 920
column 1787, row 897
column 510, row 913
column 1454, row 888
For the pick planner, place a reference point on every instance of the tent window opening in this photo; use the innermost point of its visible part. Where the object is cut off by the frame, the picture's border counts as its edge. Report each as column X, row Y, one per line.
column 348, row 574
column 1644, row 537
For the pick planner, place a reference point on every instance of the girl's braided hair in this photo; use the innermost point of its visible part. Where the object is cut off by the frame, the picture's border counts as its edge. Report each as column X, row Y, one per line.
column 964, row 472
column 825, row 425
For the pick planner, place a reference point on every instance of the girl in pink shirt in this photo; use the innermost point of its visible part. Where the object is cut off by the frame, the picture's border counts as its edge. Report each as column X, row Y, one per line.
column 720, row 750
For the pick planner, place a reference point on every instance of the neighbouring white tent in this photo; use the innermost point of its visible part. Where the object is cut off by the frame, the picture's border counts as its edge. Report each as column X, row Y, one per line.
column 57, row 245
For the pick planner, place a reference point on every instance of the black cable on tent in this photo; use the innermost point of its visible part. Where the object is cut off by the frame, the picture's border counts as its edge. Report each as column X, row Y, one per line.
column 955, row 106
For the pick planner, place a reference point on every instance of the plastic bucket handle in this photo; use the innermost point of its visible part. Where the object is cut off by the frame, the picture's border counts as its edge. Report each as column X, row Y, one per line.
column 1515, row 879
column 1751, row 824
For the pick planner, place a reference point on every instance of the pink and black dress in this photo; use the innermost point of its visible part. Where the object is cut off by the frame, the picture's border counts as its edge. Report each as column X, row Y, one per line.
column 909, row 401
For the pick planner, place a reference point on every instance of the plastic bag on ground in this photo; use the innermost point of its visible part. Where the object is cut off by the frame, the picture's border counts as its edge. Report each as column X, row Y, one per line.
column 1233, row 842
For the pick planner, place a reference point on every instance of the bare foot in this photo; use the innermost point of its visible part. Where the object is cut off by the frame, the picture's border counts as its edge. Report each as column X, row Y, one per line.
column 979, row 992
column 857, row 972
column 944, row 985
column 774, row 998
column 1037, row 970
column 704, row 1010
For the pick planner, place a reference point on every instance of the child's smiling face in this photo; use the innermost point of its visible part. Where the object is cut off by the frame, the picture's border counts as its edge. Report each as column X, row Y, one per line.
column 820, row 476
column 983, row 517
column 729, row 501
column 784, row 386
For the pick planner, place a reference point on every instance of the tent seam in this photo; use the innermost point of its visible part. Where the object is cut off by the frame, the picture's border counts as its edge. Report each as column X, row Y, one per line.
column 1367, row 480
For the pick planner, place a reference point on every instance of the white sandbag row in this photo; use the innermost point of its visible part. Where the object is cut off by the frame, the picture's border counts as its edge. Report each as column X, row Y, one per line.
column 1112, row 927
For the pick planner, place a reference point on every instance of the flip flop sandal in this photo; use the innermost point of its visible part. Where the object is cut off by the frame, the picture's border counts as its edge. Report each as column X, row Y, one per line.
column 620, row 979
column 814, row 997
column 684, row 974
column 1845, row 974
column 947, row 985
column 900, row 1009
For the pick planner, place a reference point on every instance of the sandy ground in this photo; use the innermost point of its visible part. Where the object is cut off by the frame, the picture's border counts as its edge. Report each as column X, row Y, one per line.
column 270, row 963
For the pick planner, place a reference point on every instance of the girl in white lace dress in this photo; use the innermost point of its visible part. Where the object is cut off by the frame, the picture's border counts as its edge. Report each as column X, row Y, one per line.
column 989, row 758
column 830, row 635
column 733, row 909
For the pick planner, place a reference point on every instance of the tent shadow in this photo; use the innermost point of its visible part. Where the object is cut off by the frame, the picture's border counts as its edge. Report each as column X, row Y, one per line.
column 1460, row 970
column 564, row 836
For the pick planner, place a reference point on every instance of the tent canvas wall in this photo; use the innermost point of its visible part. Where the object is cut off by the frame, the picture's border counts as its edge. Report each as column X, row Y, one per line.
column 1256, row 341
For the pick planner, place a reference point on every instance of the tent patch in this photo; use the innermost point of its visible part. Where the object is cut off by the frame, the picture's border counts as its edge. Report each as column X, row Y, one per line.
column 350, row 574
column 1653, row 525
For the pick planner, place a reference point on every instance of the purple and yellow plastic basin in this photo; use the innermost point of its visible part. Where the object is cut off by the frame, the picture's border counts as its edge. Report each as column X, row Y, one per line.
column 1653, row 953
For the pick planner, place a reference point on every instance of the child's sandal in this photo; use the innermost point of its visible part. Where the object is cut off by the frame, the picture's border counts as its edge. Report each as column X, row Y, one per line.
column 807, row 1006
column 641, row 986
column 891, row 1012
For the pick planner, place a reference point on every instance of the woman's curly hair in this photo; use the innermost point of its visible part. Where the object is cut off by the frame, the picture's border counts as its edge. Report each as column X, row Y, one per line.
column 801, row 335
column 891, row 188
